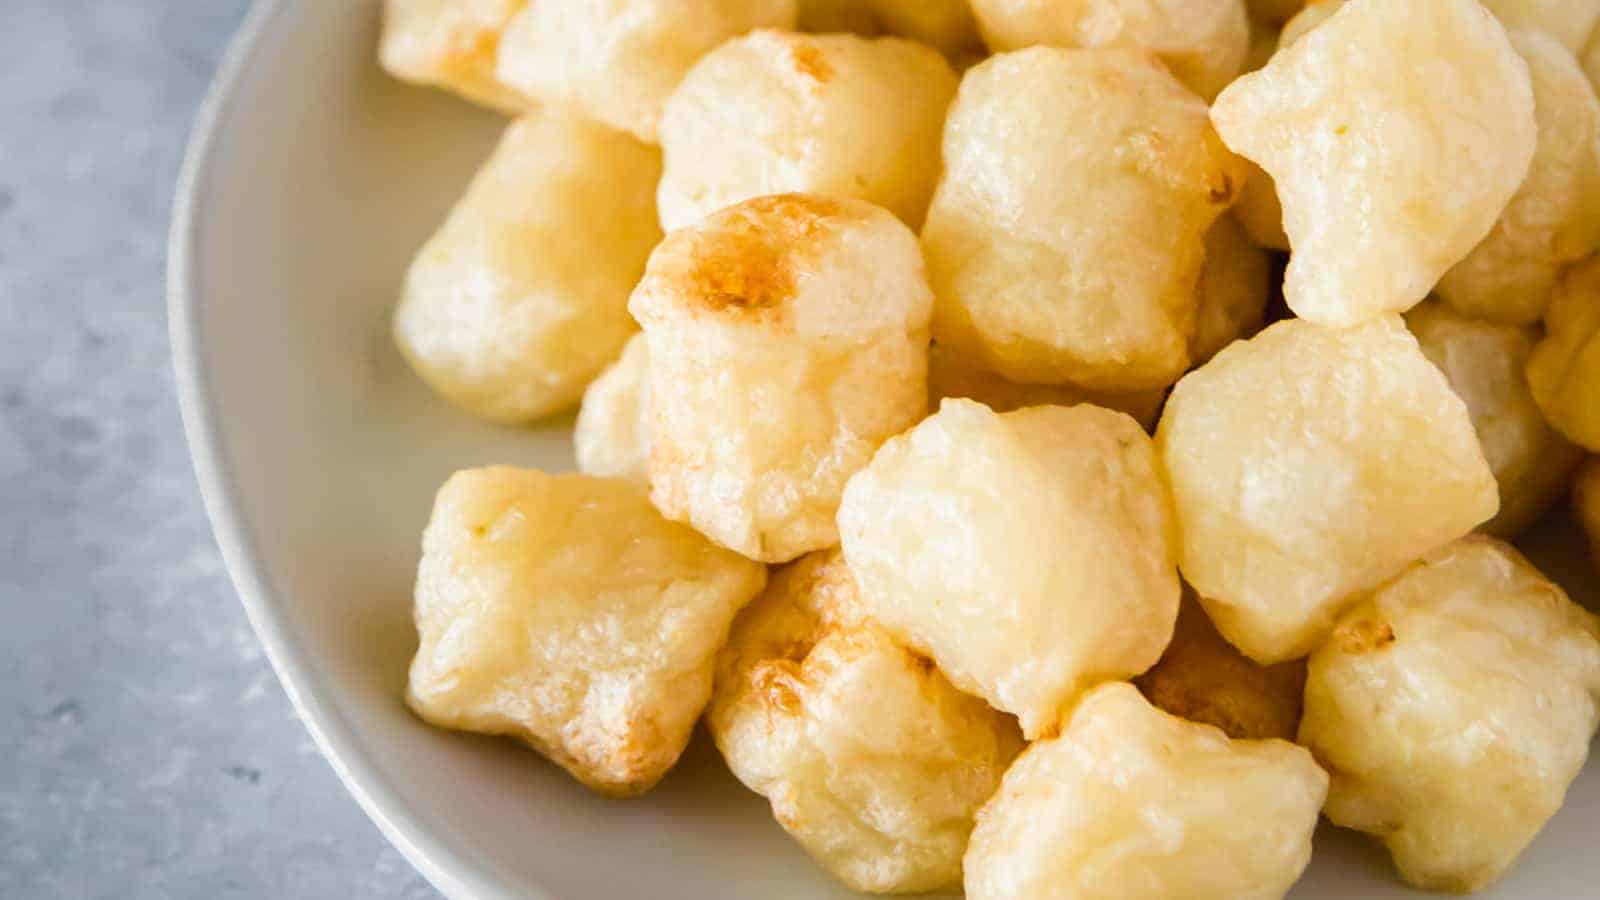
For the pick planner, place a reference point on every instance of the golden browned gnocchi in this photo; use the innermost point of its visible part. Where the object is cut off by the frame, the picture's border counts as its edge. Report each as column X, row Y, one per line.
column 563, row 610
column 1453, row 707
column 870, row 758
column 1564, row 370
column 1379, row 207
column 1235, row 285
column 1351, row 457
column 521, row 297
column 1202, row 678
column 1554, row 219
column 1586, row 504
column 951, row 376
column 617, row 61
column 788, row 338
column 1484, row 363
column 1130, row 803
column 777, row 112
column 1203, row 42
column 611, row 438
column 1065, row 247
column 1028, row 553
column 451, row 44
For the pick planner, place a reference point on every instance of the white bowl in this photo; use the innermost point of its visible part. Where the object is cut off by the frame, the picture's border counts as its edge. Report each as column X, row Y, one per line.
column 311, row 180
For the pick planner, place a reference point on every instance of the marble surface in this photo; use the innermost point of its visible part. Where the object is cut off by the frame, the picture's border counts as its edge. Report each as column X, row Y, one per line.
column 146, row 750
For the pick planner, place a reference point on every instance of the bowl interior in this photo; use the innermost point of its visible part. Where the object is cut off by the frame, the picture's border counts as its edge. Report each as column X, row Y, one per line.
column 314, row 179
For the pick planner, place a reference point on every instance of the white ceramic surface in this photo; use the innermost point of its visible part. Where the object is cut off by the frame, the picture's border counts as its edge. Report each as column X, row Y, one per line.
column 311, row 180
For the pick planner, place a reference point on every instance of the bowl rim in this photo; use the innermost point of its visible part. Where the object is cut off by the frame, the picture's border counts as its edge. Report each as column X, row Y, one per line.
column 454, row 875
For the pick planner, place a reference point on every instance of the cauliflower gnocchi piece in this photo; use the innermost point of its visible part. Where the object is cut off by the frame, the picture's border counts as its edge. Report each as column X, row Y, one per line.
column 1379, row 207
column 521, row 296
column 1484, row 363
column 450, row 44
column 1586, row 504
column 617, row 61
column 776, row 112
column 1570, row 22
column 1554, row 219
column 1029, row 553
column 1066, row 247
column 1235, row 284
column 1352, row 458
column 1564, row 370
column 1203, row 42
column 1203, row 679
column 611, row 438
column 871, row 759
column 950, row 376
column 1453, row 708
column 1130, row 803
column 788, row 338
column 564, row 611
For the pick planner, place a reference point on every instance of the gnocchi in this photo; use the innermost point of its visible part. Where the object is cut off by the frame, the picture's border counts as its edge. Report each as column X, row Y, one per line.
column 1066, row 248
column 1453, row 706
column 520, row 299
column 1029, row 553
column 1352, row 458
column 617, row 61
column 787, row 338
column 870, row 758
column 1129, row 803
column 564, row 611
column 837, row 114
column 1378, row 207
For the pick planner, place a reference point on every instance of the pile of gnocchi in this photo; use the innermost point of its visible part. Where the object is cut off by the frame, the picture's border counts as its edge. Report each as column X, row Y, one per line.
column 1059, row 448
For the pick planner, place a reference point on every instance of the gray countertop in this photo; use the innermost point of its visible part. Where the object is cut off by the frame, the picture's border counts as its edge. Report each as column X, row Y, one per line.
column 146, row 750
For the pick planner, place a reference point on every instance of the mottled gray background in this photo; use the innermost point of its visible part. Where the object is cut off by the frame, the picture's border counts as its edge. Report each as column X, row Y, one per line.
column 146, row 750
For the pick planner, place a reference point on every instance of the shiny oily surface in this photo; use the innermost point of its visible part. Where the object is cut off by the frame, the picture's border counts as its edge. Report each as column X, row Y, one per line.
column 318, row 513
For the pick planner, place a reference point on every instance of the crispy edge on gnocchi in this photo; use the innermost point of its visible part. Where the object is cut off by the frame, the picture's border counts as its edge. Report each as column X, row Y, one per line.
column 564, row 611
column 871, row 759
column 788, row 338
